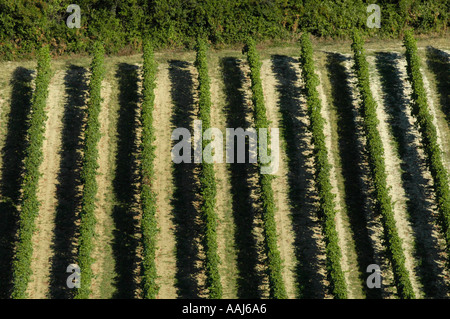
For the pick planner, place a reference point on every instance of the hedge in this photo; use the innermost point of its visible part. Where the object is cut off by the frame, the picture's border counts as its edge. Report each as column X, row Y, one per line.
column 27, row 24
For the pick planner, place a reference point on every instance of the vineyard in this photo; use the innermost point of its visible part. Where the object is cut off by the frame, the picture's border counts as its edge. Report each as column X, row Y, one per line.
column 87, row 177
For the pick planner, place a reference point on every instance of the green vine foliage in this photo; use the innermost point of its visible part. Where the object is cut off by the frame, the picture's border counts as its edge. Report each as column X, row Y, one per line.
column 429, row 136
column 322, row 175
column 274, row 262
column 29, row 203
column 88, row 173
column 378, row 171
column 207, row 178
column 148, row 197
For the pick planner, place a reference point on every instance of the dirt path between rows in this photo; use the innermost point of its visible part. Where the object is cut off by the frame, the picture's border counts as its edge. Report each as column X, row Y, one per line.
column 442, row 128
column 394, row 180
column 42, row 238
column 374, row 222
column 254, row 196
column 101, row 252
column 280, row 185
column 417, row 183
column 163, row 185
column 225, row 226
column 349, row 262
column 5, row 93
column 308, row 241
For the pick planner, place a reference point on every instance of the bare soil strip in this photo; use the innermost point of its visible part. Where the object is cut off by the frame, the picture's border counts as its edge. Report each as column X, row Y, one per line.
column 432, row 243
column 185, row 202
column 42, row 238
column 68, row 186
column 252, row 180
column 308, row 213
column 349, row 260
column 5, row 93
column 437, row 63
column 251, row 279
column 125, row 211
column 394, row 180
column 310, row 203
column 350, row 170
column 163, row 185
column 417, row 183
column 442, row 128
column 280, row 185
column 374, row 222
column 14, row 123
column 309, row 245
column 225, row 227
column 448, row 54
column 102, row 249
